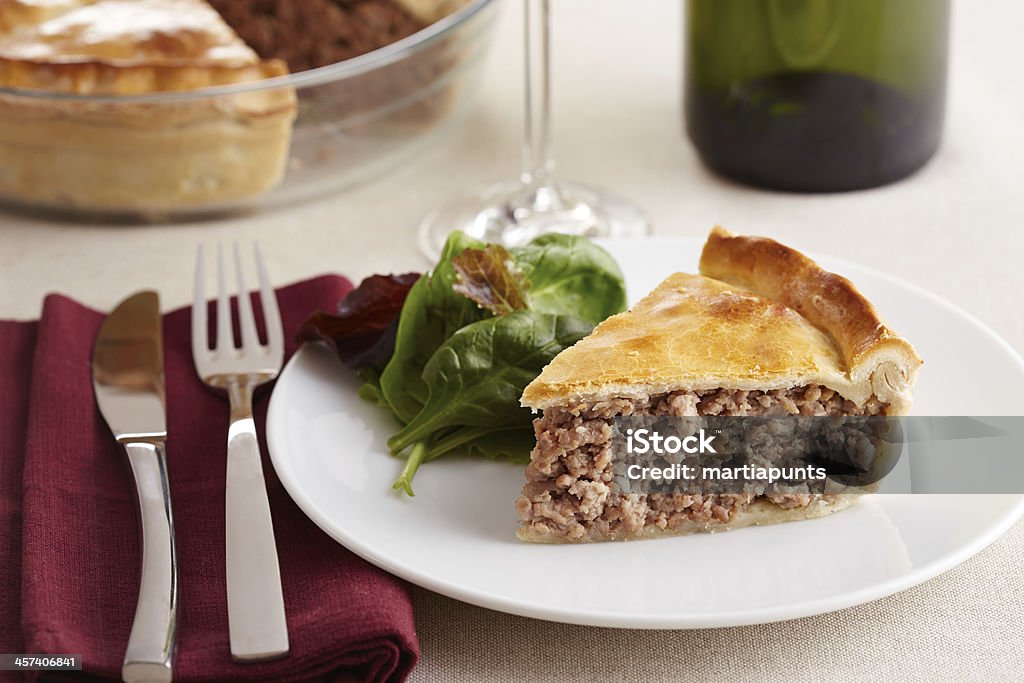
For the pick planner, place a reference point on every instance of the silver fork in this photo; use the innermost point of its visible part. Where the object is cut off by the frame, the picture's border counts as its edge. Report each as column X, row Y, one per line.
column 256, row 616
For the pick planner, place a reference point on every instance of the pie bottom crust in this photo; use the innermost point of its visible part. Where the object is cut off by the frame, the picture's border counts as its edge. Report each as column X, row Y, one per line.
column 143, row 157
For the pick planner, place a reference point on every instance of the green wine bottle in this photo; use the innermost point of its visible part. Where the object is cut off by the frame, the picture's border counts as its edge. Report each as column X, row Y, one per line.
column 816, row 95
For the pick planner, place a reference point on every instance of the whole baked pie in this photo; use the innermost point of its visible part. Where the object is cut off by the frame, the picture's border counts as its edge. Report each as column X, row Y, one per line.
column 110, row 154
column 763, row 331
column 116, row 151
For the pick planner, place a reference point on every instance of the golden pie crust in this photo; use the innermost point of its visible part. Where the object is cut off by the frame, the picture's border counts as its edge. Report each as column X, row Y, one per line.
column 101, row 153
column 761, row 316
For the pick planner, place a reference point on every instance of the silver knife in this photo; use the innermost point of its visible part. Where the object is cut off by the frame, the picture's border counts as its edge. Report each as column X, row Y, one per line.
column 128, row 378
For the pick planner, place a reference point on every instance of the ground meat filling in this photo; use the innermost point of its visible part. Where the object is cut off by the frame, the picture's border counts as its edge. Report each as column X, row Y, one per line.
column 567, row 493
column 314, row 33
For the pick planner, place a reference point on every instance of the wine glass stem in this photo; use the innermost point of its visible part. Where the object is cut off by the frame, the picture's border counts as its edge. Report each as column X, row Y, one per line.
column 538, row 159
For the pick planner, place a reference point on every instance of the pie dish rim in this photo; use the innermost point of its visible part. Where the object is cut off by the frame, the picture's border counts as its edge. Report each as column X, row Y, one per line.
column 331, row 73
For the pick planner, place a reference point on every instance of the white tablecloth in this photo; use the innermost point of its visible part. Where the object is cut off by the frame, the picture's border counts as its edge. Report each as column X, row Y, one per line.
column 956, row 228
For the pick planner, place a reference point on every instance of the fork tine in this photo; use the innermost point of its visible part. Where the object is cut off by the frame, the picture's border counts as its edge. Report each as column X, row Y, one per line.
column 246, row 321
column 225, row 338
column 200, row 343
column 271, row 314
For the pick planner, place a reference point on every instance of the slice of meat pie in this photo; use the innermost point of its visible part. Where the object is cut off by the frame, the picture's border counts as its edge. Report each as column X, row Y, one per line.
column 763, row 330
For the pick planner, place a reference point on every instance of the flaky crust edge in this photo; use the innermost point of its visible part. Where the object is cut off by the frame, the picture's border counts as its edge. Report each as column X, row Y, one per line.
column 871, row 351
column 100, row 78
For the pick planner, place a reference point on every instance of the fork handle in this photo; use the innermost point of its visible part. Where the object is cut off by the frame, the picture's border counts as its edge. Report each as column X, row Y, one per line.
column 256, row 616
column 151, row 642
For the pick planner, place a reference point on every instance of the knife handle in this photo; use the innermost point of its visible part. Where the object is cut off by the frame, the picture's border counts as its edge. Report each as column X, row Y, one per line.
column 151, row 643
column 256, row 616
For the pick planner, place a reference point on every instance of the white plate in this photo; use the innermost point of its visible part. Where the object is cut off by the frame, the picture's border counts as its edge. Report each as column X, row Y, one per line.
column 456, row 536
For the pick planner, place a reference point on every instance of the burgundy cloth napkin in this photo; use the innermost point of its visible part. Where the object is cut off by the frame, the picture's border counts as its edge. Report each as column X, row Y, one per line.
column 69, row 545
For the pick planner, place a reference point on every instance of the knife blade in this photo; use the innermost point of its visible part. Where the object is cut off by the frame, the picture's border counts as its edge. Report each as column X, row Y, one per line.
column 128, row 381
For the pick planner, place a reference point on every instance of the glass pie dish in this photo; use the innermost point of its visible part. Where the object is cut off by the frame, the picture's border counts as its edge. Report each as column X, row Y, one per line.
column 271, row 140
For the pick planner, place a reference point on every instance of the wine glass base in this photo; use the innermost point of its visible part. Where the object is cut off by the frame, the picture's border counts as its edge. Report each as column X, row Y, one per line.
column 512, row 214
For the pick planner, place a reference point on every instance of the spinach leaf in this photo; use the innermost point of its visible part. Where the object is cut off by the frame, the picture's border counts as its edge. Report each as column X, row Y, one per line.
column 432, row 313
column 511, row 443
column 572, row 276
column 508, row 443
column 370, row 389
column 475, row 379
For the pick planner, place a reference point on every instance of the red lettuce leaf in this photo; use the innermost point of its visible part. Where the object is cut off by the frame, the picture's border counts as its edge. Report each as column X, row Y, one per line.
column 362, row 333
column 490, row 278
